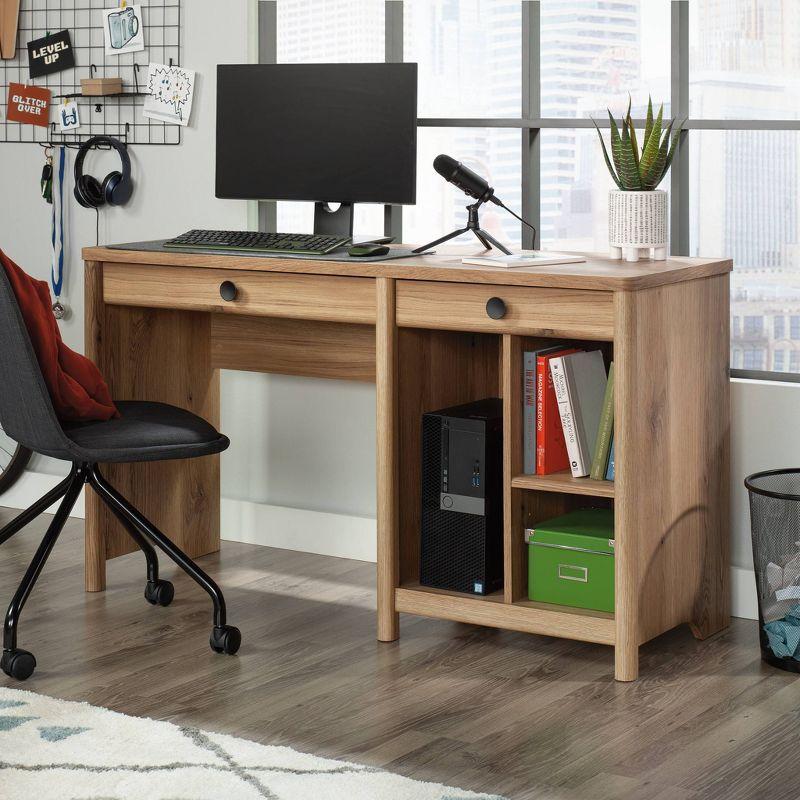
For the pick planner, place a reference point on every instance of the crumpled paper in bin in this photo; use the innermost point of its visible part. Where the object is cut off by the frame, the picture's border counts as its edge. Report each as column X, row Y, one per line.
column 784, row 634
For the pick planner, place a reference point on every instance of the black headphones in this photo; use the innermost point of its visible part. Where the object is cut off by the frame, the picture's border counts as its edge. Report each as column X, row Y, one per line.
column 117, row 187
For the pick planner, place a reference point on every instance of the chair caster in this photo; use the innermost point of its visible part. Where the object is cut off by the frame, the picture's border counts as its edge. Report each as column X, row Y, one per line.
column 18, row 664
column 226, row 639
column 159, row 593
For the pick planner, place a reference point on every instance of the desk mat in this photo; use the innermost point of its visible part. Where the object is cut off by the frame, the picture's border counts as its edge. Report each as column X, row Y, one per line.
column 157, row 246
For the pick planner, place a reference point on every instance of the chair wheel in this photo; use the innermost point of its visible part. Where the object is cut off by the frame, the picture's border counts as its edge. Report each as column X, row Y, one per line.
column 226, row 639
column 159, row 593
column 18, row 664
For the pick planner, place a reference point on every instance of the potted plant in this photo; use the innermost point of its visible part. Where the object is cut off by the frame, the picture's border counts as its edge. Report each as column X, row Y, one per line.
column 637, row 210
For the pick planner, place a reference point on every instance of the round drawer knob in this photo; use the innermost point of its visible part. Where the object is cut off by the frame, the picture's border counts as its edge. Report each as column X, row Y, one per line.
column 496, row 307
column 227, row 290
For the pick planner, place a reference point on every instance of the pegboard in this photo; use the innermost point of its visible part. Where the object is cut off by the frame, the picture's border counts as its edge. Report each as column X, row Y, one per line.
column 115, row 115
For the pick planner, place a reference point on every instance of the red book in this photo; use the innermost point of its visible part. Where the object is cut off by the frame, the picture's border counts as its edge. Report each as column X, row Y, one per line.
column 551, row 449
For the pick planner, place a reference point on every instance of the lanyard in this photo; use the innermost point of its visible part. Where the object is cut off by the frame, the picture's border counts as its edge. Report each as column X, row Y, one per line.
column 57, row 231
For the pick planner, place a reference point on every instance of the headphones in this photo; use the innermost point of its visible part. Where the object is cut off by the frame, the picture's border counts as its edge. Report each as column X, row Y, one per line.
column 117, row 187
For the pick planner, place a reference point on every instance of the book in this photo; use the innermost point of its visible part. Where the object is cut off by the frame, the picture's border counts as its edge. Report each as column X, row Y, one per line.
column 529, row 413
column 579, row 381
column 601, row 450
column 551, row 449
column 610, row 468
column 530, row 408
column 534, row 258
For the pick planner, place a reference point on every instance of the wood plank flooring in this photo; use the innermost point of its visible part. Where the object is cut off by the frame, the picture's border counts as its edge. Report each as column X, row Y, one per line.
column 524, row 716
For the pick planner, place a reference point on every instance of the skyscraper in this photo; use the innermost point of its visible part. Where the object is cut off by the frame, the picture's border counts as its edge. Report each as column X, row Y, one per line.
column 590, row 60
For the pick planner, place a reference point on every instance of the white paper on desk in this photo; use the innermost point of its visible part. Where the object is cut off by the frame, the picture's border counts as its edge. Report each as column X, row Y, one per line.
column 171, row 90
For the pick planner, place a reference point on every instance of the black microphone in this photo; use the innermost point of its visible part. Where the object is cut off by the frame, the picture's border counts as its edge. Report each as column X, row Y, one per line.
column 468, row 181
column 471, row 184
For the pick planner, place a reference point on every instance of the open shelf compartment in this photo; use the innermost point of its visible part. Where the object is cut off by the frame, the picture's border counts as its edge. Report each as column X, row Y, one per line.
column 459, row 367
column 529, row 499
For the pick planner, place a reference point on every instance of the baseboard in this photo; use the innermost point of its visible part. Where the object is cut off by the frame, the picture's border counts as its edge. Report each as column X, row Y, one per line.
column 326, row 534
column 319, row 532
column 744, row 598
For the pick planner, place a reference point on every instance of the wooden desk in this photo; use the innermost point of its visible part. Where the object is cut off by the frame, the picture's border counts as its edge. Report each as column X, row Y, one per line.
column 159, row 330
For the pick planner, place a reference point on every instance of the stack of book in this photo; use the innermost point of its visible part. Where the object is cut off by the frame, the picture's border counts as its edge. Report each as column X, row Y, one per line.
column 568, row 413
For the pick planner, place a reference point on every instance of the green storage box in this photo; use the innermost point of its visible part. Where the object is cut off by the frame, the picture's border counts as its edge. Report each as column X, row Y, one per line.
column 571, row 560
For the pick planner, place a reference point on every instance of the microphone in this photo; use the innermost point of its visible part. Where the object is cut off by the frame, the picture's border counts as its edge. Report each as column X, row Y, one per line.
column 478, row 188
column 465, row 179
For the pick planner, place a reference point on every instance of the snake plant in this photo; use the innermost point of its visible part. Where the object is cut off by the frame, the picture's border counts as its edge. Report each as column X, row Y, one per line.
column 635, row 171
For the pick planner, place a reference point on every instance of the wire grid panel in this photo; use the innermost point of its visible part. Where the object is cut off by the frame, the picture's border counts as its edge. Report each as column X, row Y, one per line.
column 116, row 115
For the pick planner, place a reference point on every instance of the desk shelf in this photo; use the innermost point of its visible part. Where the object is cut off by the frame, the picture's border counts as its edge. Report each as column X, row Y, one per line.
column 564, row 482
column 523, row 615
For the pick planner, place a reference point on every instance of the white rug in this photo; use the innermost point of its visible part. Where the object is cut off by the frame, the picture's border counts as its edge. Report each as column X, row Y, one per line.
column 59, row 750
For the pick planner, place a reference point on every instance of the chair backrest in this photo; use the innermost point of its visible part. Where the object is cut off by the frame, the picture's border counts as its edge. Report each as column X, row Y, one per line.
column 26, row 411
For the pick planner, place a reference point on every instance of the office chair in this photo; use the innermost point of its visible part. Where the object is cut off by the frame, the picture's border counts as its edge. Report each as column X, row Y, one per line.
column 145, row 432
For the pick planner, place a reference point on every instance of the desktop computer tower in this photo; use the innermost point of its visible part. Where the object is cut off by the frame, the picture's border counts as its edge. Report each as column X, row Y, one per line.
column 461, row 546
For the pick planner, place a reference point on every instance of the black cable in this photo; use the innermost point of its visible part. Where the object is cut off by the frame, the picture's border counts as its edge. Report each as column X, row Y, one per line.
column 513, row 214
column 97, row 227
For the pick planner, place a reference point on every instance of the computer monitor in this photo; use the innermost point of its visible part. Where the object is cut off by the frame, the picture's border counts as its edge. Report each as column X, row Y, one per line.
column 328, row 133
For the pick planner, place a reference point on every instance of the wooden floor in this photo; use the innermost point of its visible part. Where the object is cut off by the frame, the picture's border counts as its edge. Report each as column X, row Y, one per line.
column 519, row 715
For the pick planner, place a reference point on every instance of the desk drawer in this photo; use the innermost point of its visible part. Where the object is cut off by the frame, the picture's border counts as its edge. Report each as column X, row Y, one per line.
column 269, row 294
column 506, row 309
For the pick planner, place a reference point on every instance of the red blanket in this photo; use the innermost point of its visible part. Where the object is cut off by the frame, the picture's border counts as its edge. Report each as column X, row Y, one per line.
column 75, row 384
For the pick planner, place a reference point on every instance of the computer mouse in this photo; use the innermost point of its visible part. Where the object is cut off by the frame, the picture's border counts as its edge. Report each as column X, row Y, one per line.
column 362, row 250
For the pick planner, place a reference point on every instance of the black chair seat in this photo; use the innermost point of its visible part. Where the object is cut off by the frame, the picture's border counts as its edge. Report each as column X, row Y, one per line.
column 146, row 432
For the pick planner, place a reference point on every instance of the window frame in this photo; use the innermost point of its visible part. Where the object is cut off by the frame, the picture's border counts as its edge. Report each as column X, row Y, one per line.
column 530, row 123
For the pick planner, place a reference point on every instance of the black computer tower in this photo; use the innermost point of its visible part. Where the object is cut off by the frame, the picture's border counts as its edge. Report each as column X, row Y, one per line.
column 462, row 498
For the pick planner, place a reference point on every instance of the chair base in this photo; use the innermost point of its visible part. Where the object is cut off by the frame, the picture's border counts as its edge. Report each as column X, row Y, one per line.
column 20, row 664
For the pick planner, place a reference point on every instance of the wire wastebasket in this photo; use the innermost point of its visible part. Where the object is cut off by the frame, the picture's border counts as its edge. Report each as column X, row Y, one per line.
column 775, row 523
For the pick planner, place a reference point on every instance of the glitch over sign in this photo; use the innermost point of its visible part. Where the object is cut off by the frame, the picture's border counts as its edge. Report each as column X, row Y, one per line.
column 50, row 54
column 29, row 104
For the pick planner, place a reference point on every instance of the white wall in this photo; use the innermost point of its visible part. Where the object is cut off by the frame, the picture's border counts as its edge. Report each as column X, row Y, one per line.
column 174, row 186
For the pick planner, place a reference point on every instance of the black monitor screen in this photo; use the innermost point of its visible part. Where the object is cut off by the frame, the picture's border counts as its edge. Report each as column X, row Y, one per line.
column 327, row 132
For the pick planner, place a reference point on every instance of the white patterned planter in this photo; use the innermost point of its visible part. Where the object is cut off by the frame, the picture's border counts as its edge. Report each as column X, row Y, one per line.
column 637, row 224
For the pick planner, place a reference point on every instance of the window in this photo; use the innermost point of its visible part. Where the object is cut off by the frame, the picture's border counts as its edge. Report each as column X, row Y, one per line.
column 525, row 123
column 469, row 54
column 594, row 53
column 744, row 60
column 753, row 359
column 753, row 326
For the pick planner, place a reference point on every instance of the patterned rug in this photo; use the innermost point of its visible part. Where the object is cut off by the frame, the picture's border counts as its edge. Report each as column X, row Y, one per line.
column 59, row 750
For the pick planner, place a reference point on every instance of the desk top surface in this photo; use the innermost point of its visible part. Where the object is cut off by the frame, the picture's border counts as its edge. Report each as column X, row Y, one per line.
column 598, row 272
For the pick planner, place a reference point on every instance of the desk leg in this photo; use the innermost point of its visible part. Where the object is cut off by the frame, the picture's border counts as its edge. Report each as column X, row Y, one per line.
column 386, row 390
column 159, row 355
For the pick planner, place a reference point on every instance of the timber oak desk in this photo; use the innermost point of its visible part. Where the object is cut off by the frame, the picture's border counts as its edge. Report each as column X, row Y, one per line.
column 158, row 328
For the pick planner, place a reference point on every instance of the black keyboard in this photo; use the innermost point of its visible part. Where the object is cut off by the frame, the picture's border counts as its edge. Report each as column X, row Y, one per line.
column 308, row 243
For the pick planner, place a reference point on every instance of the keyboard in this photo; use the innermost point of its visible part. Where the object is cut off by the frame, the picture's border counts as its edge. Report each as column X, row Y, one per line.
column 250, row 241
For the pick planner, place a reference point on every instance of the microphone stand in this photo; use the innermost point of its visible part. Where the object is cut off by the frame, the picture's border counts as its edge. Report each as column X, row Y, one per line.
column 474, row 225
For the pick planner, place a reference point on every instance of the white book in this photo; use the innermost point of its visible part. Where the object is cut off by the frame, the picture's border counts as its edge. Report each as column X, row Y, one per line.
column 579, row 380
column 536, row 258
column 567, row 420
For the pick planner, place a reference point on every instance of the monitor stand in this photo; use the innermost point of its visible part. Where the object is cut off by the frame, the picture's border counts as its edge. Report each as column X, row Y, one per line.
column 328, row 222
